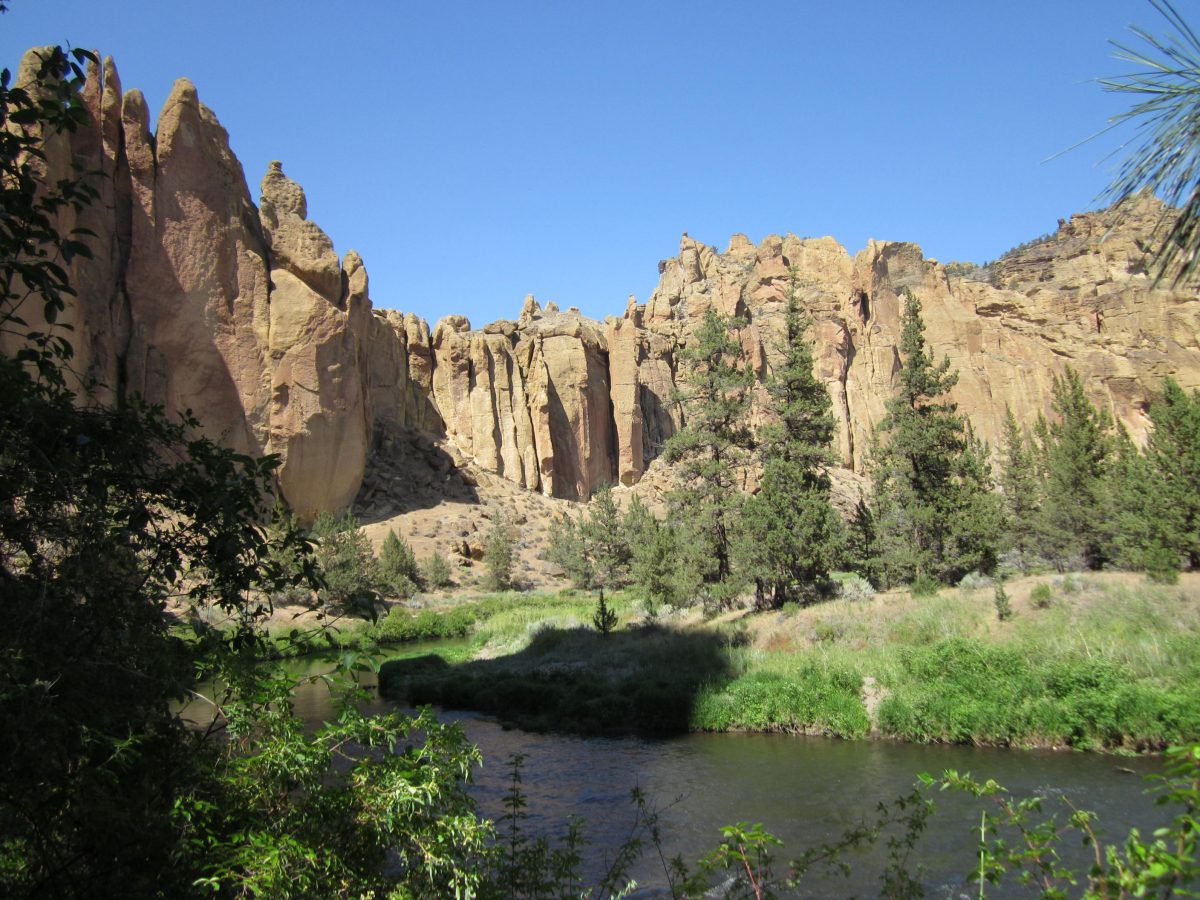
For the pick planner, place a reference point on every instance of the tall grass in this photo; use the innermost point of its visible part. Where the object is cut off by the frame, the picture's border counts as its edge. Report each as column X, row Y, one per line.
column 1106, row 665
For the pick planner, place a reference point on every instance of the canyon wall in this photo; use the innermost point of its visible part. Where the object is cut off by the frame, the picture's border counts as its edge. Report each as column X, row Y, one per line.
column 198, row 299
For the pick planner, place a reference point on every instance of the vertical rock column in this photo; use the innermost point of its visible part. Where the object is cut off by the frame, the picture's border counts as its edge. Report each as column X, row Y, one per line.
column 196, row 279
column 318, row 414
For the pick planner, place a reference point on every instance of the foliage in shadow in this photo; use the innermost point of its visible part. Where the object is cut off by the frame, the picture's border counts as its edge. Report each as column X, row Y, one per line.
column 644, row 680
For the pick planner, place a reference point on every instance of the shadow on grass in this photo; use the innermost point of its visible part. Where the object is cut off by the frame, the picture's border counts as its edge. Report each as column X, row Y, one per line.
column 642, row 680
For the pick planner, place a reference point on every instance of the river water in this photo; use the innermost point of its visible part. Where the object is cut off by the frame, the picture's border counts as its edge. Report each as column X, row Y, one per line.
column 805, row 790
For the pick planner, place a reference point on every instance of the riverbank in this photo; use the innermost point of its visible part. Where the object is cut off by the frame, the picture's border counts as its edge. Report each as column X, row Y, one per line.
column 1108, row 662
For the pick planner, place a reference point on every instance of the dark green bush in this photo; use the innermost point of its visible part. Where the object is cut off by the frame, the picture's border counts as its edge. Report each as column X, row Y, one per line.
column 924, row 586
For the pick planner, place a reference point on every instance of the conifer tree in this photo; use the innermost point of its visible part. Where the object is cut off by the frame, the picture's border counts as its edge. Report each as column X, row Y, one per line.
column 862, row 548
column 567, row 550
column 348, row 566
column 935, row 515
column 397, row 566
column 978, row 524
column 499, row 553
column 1078, row 448
column 605, row 541
column 1138, row 529
column 654, row 552
column 790, row 536
column 1173, row 451
column 594, row 548
column 1020, row 485
column 711, row 450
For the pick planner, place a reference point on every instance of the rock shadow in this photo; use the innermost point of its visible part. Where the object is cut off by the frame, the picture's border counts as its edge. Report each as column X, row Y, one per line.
column 406, row 471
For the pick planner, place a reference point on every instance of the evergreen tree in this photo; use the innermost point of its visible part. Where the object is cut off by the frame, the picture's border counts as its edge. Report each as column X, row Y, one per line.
column 977, row 529
column 435, row 573
column 711, row 449
column 567, row 550
column 346, row 562
column 1173, row 451
column 1078, row 447
column 862, row 545
column 605, row 541
column 1138, row 529
column 499, row 553
column 789, row 535
column 1020, row 485
column 397, row 566
column 593, row 549
column 655, row 561
column 936, row 517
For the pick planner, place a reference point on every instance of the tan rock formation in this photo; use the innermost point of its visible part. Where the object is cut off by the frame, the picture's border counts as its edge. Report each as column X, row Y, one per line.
column 197, row 299
column 196, row 278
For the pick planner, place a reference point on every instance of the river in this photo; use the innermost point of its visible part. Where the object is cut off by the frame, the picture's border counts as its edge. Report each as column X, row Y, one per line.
column 805, row 790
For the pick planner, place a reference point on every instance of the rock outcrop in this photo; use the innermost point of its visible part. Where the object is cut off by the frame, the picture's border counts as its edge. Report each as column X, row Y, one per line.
column 200, row 300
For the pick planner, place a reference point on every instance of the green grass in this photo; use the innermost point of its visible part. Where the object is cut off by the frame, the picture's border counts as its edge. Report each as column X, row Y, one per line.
column 1109, row 665
column 965, row 691
column 811, row 700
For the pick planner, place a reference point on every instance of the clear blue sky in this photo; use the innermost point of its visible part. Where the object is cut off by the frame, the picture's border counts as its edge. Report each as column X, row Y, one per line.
column 474, row 152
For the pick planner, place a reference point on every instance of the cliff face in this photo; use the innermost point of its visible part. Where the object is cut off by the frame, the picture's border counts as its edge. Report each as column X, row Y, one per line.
column 197, row 299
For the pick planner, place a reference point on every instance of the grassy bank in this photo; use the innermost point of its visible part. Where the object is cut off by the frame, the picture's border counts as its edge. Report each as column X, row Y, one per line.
column 1109, row 662
column 496, row 623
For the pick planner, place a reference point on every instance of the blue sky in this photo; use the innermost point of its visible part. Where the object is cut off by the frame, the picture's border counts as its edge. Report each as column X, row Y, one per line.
column 474, row 152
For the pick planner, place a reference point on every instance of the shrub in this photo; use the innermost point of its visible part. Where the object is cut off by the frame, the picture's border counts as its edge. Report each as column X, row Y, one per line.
column 856, row 589
column 974, row 581
column 812, row 699
column 924, row 586
column 401, row 625
column 826, row 632
column 1071, row 583
column 1041, row 596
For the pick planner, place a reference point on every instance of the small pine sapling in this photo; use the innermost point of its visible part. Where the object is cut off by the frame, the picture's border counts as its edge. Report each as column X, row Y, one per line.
column 605, row 618
column 1004, row 610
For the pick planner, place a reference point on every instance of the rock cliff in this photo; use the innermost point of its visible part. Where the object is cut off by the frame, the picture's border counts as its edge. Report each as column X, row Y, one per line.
column 198, row 299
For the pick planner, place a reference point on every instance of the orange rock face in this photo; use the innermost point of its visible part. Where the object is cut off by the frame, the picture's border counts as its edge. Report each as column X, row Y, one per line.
column 198, row 300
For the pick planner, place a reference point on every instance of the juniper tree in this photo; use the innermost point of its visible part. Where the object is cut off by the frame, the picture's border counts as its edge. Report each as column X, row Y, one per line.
column 1151, row 499
column 789, row 535
column 605, row 541
column 1020, row 485
column 711, row 449
column 1078, row 447
column 397, row 566
column 935, row 515
column 348, row 567
column 1173, row 451
column 499, row 553
column 593, row 549
column 567, row 550
column 978, row 525
column 862, row 543
column 1138, row 528
column 654, row 559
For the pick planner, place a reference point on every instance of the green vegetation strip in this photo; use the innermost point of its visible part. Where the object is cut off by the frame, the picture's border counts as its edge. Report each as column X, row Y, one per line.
column 1088, row 671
